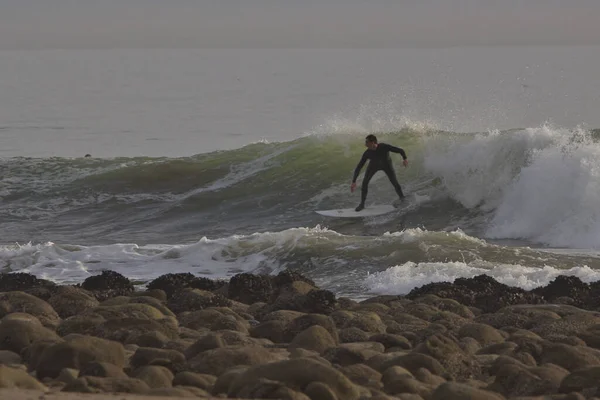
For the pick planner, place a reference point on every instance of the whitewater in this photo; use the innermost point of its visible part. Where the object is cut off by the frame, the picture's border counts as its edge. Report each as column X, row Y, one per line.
column 517, row 203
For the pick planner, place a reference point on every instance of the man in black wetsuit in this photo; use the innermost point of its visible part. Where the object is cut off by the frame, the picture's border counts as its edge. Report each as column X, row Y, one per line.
column 379, row 156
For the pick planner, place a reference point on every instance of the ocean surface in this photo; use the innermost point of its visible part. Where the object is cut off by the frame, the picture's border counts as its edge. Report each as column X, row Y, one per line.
column 214, row 161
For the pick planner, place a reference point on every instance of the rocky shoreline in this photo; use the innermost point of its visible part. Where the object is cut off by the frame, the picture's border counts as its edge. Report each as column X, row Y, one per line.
column 281, row 337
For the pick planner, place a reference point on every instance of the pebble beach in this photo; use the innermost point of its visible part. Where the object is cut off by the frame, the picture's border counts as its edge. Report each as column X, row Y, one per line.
column 282, row 337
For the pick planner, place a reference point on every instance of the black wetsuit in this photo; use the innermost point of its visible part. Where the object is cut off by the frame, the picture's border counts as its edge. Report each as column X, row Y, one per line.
column 379, row 159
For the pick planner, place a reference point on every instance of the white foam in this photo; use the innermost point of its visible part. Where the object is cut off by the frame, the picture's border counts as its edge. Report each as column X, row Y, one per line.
column 216, row 258
column 401, row 279
column 542, row 184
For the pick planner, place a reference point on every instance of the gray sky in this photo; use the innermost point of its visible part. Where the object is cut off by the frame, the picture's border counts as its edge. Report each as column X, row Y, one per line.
column 34, row 24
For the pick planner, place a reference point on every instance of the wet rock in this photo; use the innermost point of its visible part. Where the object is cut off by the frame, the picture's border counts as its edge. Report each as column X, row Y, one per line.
column 249, row 288
column 196, row 299
column 366, row 321
column 20, row 281
column 76, row 352
column 108, row 284
column 480, row 291
column 287, row 277
column 565, row 286
column 297, row 373
column 19, row 302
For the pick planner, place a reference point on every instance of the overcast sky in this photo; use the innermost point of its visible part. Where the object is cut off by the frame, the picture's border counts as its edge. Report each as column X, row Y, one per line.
column 33, row 24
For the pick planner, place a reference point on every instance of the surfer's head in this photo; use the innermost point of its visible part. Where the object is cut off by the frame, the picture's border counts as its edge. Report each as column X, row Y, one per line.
column 371, row 141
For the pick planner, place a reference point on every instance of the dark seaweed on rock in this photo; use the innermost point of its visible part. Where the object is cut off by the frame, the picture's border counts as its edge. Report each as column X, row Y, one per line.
column 108, row 284
column 480, row 291
column 171, row 283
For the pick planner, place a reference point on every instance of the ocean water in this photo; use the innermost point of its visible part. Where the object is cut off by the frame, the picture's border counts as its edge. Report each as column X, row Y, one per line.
column 213, row 162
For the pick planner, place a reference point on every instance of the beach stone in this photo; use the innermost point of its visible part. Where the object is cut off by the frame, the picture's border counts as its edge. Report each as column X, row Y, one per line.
column 412, row 362
column 458, row 391
column 450, row 355
column 68, row 301
column 569, row 357
column 20, row 302
column 345, row 356
column 351, row 335
column 319, row 390
column 217, row 361
column 388, row 340
column 274, row 330
column 76, row 352
column 129, row 310
column 195, row 299
column 268, row 389
column 108, row 284
column 398, row 380
column 427, row 377
column 518, row 380
column 171, row 283
column 151, row 301
column 297, row 374
column 484, row 334
column 102, row 369
column 157, row 294
column 366, row 321
column 17, row 334
column 170, row 392
column 581, row 379
column 209, row 341
column 85, row 324
column 139, row 330
column 95, row 384
column 248, row 288
column 315, row 338
column 149, row 356
column 202, row 381
column 8, row 357
column 450, row 305
column 362, row 374
column 155, row 376
column 18, row 378
column 306, row 321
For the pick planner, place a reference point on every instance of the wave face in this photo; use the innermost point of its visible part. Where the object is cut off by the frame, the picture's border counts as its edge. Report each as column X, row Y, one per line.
column 538, row 186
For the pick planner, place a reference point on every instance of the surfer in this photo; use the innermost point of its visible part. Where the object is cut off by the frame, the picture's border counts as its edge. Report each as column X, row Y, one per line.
column 379, row 156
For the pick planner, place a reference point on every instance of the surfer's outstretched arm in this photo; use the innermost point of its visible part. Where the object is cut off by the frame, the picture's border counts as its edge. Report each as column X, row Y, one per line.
column 361, row 163
column 395, row 149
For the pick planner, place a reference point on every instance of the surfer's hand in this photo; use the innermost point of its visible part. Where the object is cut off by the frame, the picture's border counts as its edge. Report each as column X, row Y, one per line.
column 405, row 162
column 353, row 186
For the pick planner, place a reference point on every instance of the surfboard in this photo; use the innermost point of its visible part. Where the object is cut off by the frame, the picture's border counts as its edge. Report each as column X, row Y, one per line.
column 369, row 211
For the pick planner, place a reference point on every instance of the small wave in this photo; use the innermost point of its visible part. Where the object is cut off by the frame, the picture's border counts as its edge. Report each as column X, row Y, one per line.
column 401, row 279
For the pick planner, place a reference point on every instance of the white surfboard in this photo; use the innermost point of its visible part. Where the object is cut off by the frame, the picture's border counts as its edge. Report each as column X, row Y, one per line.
column 369, row 211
